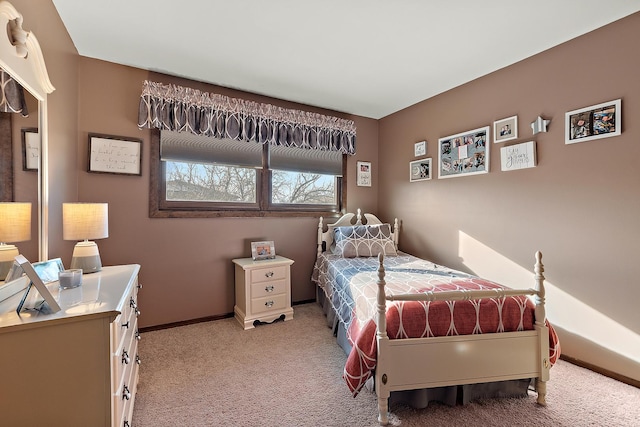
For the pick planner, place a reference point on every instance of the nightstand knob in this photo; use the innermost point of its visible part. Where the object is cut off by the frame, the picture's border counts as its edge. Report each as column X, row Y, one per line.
column 269, row 288
column 269, row 274
column 138, row 336
column 138, row 360
column 269, row 303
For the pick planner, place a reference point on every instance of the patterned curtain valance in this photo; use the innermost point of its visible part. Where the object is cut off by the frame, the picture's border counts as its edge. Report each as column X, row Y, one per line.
column 11, row 95
column 182, row 109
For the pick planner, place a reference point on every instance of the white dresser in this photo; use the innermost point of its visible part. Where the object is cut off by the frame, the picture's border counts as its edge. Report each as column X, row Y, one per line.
column 263, row 290
column 76, row 367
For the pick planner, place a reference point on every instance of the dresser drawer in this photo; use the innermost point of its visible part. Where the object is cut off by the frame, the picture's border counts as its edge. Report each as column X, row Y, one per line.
column 270, row 303
column 266, row 289
column 126, row 354
column 268, row 274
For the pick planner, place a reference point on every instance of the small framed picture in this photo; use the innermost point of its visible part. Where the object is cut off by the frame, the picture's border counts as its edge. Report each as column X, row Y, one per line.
column 420, row 170
column 364, row 174
column 52, row 304
column 505, row 129
column 263, row 250
column 30, row 149
column 594, row 122
column 420, row 148
column 114, row 154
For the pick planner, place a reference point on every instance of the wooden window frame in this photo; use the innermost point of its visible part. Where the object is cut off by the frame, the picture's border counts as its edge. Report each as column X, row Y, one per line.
column 159, row 207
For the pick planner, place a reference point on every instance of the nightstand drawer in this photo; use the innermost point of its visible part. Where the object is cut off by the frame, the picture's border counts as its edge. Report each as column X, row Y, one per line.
column 274, row 302
column 266, row 289
column 268, row 274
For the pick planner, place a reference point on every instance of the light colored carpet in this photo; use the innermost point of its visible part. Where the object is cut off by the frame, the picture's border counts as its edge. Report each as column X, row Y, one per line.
column 289, row 374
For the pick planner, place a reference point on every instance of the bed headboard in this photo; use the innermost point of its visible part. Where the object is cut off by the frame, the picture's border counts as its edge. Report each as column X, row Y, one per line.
column 347, row 219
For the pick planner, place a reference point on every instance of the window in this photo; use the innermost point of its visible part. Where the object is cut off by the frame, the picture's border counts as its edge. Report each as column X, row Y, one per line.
column 200, row 176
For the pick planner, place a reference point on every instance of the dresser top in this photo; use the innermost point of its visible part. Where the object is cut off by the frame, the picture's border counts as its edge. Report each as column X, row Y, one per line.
column 101, row 295
column 247, row 263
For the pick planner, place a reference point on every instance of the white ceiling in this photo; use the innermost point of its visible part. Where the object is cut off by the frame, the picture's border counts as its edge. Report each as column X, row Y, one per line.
column 365, row 57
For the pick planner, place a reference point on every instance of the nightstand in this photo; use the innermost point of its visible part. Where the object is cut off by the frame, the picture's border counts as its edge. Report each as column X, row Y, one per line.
column 263, row 290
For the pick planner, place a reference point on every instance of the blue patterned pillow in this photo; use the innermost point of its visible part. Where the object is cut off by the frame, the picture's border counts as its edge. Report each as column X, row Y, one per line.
column 364, row 241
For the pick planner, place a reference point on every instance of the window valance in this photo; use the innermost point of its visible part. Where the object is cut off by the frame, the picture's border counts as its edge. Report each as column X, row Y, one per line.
column 11, row 95
column 182, row 109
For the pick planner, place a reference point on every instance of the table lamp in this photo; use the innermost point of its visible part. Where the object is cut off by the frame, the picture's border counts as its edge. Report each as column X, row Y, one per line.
column 15, row 226
column 84, row 221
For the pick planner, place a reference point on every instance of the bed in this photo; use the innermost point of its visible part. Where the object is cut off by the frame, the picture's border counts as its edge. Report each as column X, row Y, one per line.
column 415, row 328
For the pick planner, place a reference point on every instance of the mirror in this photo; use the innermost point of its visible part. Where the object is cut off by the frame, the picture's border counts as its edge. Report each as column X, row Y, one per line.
column 21, row 57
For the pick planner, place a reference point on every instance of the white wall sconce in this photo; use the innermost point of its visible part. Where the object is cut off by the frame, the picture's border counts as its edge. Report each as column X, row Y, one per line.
column 84, row 221
column 540, row 125
column 15, row 226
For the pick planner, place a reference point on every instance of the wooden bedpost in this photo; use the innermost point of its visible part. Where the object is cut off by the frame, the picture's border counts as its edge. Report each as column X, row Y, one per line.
column 320, row 227
column 540, row 296
column 540, row 325
column 382, row 300
column 381, row 337
column 396, row 233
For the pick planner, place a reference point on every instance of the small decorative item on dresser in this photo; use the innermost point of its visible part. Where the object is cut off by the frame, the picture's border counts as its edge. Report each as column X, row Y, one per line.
column 263, row 250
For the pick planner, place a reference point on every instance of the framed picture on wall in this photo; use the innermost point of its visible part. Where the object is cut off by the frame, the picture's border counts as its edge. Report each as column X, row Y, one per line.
column 594, row 122
column 464, row 153
column 114, row 154
column 420, row 170
column 30, row 149
column 364, row 174
column 505, row 129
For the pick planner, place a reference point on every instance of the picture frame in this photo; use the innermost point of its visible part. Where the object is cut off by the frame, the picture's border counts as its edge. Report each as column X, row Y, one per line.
column 505, row 129
column 364, row 174
column 114, row 154
column 51, row 304
column 464, row 153
column 518, row 156
column 420, row 148
column 598, row 121
column 420, row 170
column 263, row 250
column 30, row 149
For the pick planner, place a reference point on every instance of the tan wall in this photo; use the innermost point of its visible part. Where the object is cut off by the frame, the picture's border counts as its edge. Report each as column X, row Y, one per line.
column 579, row 206
column 186, row 263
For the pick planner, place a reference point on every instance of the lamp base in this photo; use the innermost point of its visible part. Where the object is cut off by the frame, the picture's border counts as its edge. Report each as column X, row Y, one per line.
column 86, row 257
column 8, row 253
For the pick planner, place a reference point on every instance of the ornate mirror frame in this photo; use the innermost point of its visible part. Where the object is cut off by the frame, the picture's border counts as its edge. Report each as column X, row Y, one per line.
column 21, row 56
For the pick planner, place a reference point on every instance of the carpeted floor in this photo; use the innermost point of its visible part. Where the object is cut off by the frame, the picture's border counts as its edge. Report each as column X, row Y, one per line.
column 289, row 374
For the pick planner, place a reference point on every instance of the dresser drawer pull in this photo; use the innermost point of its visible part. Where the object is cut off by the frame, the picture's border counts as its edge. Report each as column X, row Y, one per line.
column 139, row 286
column 269, row 274
column 269, row 303
column 138, row 360
column 138, row 336
column 125, row 357
column 126, row 424
column 126, row 394
column 269, row 288
column 126, row 325
column 133, row 305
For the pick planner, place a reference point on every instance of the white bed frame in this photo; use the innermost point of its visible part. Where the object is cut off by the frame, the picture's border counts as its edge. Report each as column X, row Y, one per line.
column 471, row 359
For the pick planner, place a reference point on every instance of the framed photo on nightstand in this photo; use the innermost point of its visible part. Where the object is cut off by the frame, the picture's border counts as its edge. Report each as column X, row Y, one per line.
column 263, row 250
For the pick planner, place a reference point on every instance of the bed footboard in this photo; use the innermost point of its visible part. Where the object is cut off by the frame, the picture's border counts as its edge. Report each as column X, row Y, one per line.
column 475, row 358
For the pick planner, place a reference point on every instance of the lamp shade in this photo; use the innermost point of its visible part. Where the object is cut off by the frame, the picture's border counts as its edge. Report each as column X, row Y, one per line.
column 15, row 222
column 84, row 221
